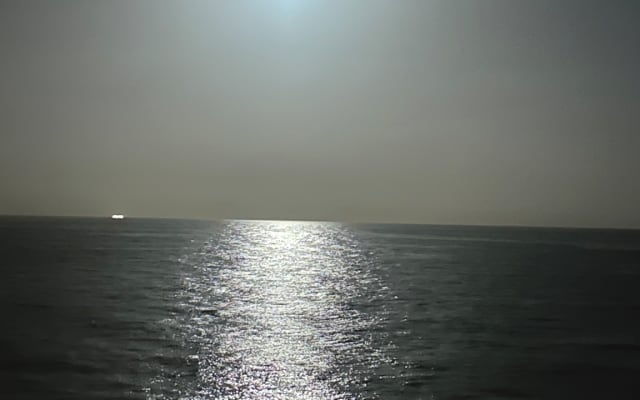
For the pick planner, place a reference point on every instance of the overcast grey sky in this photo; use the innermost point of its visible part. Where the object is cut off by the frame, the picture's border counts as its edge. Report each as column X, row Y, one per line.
column 478, row 112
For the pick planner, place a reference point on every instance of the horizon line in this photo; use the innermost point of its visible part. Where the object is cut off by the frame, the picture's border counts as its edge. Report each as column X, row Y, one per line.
column 205, row 219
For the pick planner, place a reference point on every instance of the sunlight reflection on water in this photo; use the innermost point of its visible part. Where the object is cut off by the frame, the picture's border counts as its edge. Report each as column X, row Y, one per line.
column 273, row 315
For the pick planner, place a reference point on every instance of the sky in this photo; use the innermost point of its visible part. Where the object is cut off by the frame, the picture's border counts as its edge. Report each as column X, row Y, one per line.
column 415, row 111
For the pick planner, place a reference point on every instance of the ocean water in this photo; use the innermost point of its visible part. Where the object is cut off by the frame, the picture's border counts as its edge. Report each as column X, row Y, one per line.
column 169, row 309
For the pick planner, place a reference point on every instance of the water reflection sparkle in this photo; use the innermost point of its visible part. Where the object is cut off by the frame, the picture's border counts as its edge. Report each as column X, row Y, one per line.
column 273, row 316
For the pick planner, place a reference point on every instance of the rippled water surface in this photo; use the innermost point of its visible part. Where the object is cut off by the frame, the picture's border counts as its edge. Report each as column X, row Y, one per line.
column 166, row 309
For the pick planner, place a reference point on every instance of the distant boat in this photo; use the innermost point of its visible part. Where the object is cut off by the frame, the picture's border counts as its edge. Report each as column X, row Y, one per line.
column 117, row 216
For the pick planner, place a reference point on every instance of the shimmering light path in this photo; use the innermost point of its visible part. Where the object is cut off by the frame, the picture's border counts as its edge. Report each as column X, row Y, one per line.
column 273, row 316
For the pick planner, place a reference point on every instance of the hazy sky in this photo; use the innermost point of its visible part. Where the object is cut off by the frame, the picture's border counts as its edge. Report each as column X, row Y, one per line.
column 487, row 111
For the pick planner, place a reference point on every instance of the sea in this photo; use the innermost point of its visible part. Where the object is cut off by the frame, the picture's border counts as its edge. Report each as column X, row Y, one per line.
column 177, row 309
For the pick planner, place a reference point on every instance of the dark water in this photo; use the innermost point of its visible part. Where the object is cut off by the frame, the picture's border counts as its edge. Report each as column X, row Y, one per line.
column 159, row 309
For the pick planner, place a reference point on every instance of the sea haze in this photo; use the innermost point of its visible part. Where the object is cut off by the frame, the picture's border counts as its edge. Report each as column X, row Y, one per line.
column 172, row 309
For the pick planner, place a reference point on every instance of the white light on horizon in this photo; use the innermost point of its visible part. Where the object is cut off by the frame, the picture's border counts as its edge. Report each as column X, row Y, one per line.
column 117, row 216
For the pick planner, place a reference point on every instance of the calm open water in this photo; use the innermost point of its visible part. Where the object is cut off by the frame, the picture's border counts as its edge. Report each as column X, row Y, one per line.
column 166, row 309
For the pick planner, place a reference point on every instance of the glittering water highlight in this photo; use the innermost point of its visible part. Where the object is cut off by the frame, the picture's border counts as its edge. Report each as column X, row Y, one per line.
column 273, row 316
